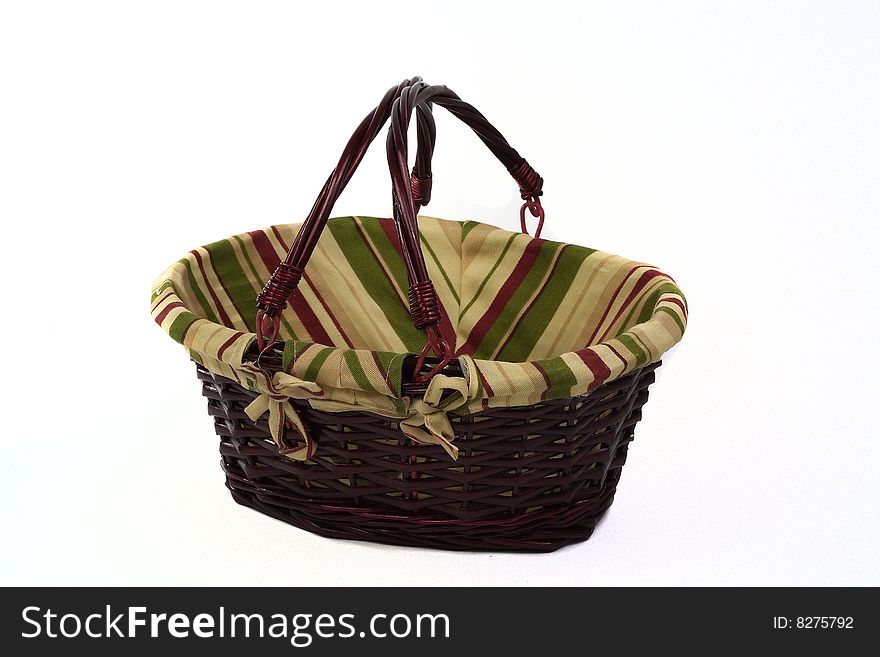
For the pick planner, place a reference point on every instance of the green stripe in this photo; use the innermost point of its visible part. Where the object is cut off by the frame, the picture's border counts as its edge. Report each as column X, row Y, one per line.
column 642, row 344
column 542, row 312
column 650, row 302
column 474, row 375
column 389, row 255
column 393, row 365
column 159, row 290
column 640, row 354
column 362, row 260
column 234, row 281
column 467, row 227
column 247, row 257
column 311, row 373
column 208, row 309
column 442, row 269
column 489, row 275
column 560, row 375
column 180, row 324
column 357, row 371
column 674, row 315
column 288, row 355
column 518, row 301
column 294, row 347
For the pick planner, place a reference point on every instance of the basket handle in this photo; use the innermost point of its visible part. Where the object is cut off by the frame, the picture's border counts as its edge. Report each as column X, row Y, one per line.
column 424, row 303
column 285, row 279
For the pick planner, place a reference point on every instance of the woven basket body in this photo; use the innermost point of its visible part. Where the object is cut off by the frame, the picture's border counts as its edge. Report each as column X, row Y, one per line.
column 417, row 381
column 532, row 478
column 535, row 469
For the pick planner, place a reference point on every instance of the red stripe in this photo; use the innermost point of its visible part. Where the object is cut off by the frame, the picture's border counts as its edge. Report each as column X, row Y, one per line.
column 158, row 302
column 535, row 299
column 485, row 383
column 302, row 310
column 328, row 311
column 314, row 289
column 382, row 266
column 643, row 281
column 611, row 303
column 390, row 229
column 677, row 301
column 525, row 264
column 595, row 364
column 171, row 306
column 265, row 249
column 186, row 330
column 547, row 382
column 228, row 344
column 382, row 371
column 618, row 354
column 226, row 319
column 446, row 328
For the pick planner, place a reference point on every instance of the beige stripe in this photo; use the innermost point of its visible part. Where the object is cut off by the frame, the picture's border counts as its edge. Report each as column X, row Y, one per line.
column 287, row 232
column 479, row 271
column 213, row 282
column 526, row 306
column 251, row 252
column 533, row 376
column 644, row 342
column 401, row 294
column 616, row 364
column 612, row 299
column 347, row 303
column 636, row 307
column 582, row 373
column 472, row 245
column 445, row 240
column 356, row 308
column 311, row 299
column 574, row 315
column 209, row 338
column 177, row 275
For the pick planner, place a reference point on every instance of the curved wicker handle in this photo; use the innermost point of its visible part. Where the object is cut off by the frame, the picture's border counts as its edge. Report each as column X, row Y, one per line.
column 411, row 95
column 425, row 307
column 285, row 279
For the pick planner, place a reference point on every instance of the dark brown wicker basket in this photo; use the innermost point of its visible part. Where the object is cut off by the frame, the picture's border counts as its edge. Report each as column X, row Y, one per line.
column 530, row 478
column 526, row 478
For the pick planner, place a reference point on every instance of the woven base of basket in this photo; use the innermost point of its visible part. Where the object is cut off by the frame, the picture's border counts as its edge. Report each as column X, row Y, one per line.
column 528, row 479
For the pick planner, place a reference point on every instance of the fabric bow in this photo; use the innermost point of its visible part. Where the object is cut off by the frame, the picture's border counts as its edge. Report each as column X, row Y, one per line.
column 275, row 395
column 429, row 425
column 425, row 420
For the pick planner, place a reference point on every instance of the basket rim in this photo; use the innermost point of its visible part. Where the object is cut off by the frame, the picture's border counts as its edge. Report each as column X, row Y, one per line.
column 224, row 349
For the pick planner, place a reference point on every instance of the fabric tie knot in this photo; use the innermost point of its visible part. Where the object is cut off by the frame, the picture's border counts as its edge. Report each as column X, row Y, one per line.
column 428, row 422
column 425, row 420
column 276, row 391
column 429, row 425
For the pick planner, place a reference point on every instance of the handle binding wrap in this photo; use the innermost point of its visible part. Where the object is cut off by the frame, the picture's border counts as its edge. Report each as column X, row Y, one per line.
column 279, row 288
column 531, row 185
column 424, row 305
column 421, row 188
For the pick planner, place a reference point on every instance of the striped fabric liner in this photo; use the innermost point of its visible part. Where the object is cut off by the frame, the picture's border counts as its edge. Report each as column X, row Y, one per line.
column 541, row 319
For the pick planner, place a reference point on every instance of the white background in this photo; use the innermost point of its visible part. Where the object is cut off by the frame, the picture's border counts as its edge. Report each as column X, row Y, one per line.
column 735, row 145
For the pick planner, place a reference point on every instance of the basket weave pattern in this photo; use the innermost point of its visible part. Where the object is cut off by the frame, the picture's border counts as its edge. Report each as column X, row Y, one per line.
column 532, row 478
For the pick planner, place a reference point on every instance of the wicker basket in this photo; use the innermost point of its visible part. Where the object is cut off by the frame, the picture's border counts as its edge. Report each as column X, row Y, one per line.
column 506, row 430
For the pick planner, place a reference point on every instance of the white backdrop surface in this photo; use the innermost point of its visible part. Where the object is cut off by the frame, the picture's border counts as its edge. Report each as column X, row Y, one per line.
column 733, row 144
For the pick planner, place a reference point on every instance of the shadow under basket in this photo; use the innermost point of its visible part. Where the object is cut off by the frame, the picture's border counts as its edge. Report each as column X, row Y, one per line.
column 528, row 479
